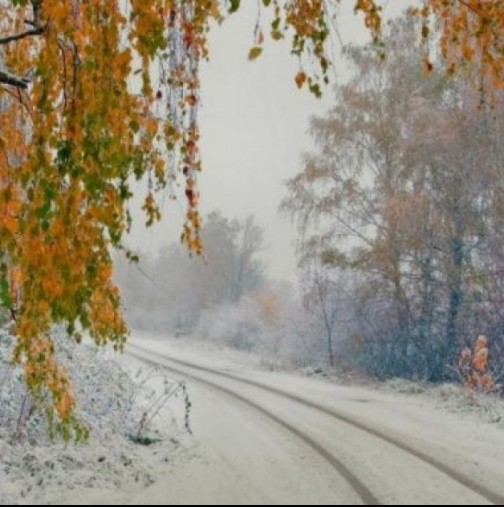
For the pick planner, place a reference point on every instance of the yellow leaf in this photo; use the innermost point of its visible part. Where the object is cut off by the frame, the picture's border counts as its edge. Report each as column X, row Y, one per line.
column 11, row 224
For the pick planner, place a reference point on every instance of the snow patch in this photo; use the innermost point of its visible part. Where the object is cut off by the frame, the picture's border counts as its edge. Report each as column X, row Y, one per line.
column 112, row 399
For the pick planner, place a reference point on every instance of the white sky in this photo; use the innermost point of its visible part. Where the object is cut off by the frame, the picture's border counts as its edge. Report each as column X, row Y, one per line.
column 254, row 125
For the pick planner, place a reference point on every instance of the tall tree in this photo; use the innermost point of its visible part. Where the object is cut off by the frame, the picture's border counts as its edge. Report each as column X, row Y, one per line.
column 404, row 189
column 321, row 296
column 248, row 275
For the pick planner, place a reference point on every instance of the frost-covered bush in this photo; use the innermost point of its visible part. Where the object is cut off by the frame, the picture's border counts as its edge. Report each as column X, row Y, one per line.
column 12, row 387
column 110, row 400
column 302, row 339
column 104, row 392
column 237, row 326
column 288, row 334
column 122, row 408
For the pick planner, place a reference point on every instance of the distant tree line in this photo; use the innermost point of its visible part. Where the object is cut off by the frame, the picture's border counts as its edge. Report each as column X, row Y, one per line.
column 169, row 292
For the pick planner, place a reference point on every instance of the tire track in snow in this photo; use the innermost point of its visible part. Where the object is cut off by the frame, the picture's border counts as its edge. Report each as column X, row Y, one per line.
column 367, row 497
column 361, row 490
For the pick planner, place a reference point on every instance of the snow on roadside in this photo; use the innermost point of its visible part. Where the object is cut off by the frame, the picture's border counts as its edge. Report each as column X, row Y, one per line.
column 389, row 403
column 51, row 474
column 112, row 398
column 221, row 356
column 451, row 398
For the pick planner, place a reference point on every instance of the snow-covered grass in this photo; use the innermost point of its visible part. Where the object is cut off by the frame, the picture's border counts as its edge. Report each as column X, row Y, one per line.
column 453, row 398
column 46, row 473
column 121, row 403
column 264, row 328
column 240, row 334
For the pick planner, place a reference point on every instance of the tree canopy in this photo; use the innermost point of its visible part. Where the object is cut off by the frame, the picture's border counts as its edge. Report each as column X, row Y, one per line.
column 95, row 93
column 404, row 195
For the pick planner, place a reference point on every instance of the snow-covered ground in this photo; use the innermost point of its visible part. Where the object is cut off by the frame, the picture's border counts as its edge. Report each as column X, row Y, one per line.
column 239, row 454
column 445, row 398
column 112, row 399
column 464, row 433
column 92, row 473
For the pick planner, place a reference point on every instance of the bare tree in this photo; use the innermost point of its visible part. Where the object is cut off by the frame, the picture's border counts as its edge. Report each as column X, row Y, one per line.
column 249, row 269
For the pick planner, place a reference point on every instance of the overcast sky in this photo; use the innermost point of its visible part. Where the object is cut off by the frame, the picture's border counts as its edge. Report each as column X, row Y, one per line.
column 254, row 125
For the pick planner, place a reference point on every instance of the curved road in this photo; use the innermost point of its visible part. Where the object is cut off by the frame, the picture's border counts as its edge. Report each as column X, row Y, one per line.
column 281, row 447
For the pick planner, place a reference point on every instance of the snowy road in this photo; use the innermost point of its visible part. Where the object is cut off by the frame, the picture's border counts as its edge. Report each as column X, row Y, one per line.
column 279, row 439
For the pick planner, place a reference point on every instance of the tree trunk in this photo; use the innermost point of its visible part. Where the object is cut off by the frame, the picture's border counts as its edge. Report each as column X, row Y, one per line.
column 330, row 347
column 327, row 321
column 456, row 296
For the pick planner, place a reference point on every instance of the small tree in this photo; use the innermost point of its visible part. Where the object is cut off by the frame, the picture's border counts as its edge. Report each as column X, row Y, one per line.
column 474, row 367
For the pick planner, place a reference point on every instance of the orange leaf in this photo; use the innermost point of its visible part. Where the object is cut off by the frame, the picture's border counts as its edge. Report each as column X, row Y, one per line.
column 301, row 80
column 11, row 224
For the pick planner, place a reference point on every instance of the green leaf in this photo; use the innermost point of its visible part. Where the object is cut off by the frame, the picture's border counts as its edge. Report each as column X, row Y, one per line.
column 5, row 297
column 235, row 5
column 255, row 53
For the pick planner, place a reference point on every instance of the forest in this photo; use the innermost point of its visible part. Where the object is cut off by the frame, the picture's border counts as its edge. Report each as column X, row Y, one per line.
column 400, row 249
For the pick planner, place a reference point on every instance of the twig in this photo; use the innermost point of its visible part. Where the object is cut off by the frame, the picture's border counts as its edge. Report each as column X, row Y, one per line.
column 12, row 80
column 29, row 33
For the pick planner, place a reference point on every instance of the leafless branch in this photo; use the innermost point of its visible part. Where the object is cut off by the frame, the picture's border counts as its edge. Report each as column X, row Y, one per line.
column 29, row 33
column 38, row 29
column 10, row 79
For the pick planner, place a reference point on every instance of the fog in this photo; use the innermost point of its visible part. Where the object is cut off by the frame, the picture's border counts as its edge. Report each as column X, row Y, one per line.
column 254, row 124
column 353, row 269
